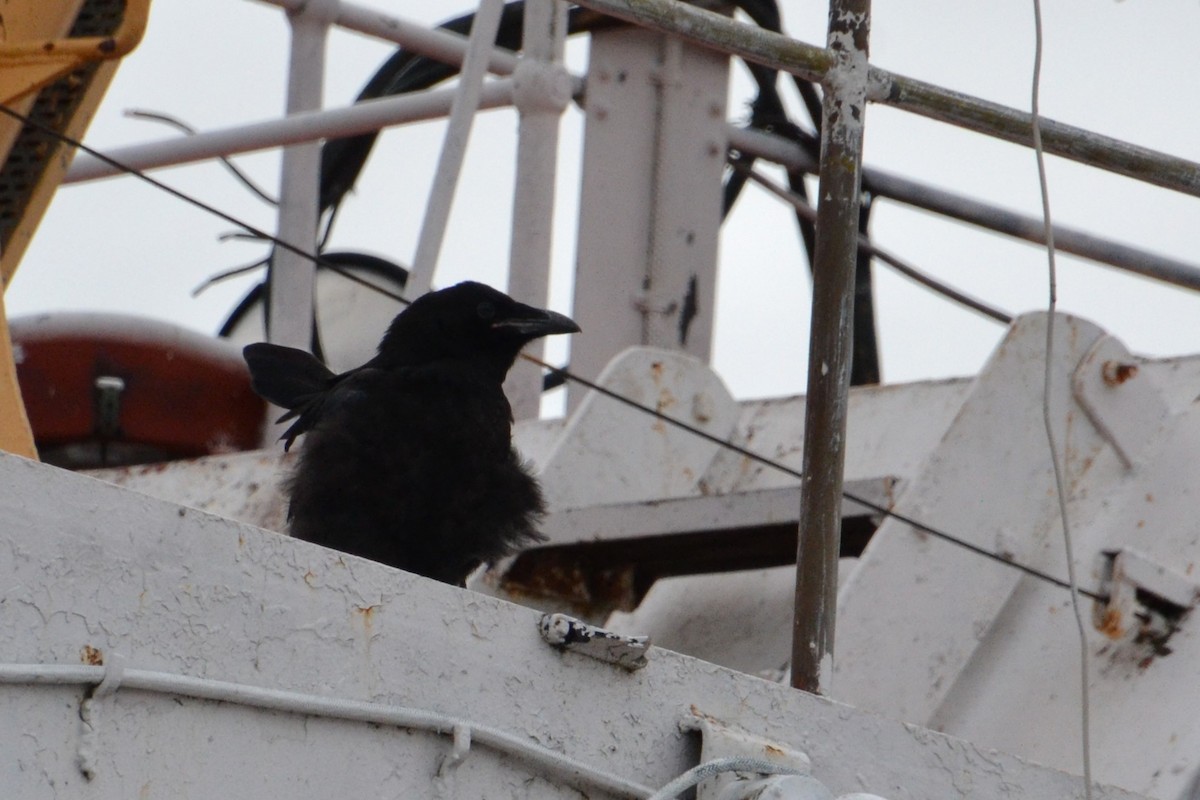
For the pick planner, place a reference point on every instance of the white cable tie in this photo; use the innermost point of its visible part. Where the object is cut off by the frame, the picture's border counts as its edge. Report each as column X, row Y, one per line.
column 754, row 766
column 89, row 713
column 114, row 672
column 459, row 750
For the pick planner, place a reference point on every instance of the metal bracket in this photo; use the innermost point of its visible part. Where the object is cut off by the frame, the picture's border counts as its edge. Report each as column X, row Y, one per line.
column 721, row 740
column 1146, row 600
column 569, row 633
column 30, row 65
column 1128, row 411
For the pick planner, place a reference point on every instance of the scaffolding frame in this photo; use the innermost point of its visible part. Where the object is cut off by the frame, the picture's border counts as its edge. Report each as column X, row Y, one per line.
column 849, row 81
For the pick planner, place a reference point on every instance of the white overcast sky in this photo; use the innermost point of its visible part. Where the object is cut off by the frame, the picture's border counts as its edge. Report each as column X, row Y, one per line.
column 1127, row 69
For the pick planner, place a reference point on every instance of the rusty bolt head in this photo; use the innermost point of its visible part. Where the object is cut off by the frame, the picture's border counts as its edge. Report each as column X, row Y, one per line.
column 1116, row 372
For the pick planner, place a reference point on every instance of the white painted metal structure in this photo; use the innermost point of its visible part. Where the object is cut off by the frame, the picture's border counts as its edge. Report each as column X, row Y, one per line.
column 930, row 634
column 242, row 663
column 186, row 607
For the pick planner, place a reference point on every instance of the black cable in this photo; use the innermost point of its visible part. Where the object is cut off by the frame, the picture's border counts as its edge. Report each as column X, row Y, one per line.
column 724, row 443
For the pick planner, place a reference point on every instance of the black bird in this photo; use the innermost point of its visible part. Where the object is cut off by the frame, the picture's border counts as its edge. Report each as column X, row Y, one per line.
column 408, row 459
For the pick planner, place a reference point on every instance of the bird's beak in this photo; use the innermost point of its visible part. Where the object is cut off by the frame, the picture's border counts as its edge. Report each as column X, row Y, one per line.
column 538, row 323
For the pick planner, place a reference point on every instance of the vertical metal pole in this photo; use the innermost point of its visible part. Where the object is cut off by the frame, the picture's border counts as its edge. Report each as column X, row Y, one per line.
column 541, row 91
column 650, row 200
column 831, row 346
column 292, row 275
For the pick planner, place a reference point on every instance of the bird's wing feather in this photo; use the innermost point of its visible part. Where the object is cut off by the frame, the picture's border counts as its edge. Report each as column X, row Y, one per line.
column 338, row 399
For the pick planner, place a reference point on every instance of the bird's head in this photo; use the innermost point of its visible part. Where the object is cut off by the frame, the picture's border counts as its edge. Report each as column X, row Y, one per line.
column 468, row 321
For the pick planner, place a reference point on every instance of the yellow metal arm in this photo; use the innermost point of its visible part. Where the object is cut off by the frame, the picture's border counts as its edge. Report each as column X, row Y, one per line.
column 36, row 54
column 27, row 65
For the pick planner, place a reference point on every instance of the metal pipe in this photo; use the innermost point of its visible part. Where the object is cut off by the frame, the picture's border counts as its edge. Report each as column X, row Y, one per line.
column 830, row 346
column 454, row 148
column 542, row 92
column 813, row 63
column 985, row 215
column 1016, row 126
column 364, row 117
column 442, row 45
column 515, row 744
column 290, row 317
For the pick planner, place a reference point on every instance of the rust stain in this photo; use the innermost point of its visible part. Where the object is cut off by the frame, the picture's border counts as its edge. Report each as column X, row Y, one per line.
column 368, row 615
column 1149, row 497
column 588, row 589
column 1111, row 624
column 774, row 751
column 91, row 656
column 1115, row 373
column 309, row 577
column 656, row 371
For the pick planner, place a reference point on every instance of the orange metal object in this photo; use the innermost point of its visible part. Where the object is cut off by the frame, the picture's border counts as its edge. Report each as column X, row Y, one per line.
column 38, row 55
column 180, row 394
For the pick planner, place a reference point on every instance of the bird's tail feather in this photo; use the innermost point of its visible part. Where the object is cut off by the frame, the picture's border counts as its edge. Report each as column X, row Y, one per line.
column 287, row 377
column 291, row 379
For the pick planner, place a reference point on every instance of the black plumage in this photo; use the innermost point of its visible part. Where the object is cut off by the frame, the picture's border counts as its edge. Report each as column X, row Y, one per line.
column 408, row 459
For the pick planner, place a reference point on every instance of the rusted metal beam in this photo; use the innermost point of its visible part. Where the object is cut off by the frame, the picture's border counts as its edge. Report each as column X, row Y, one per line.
column 831, row 345
column 813, row 64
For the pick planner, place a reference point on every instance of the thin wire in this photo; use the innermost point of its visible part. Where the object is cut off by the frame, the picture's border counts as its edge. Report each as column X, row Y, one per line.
column 795, row 473
column 725, row 443
column 1059, row 482
column 180, row 125
column 225, row 275
column 865, row 245
column 197, row 203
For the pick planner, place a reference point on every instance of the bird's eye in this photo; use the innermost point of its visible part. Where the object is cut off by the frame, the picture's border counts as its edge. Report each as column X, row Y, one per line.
column 485, row 310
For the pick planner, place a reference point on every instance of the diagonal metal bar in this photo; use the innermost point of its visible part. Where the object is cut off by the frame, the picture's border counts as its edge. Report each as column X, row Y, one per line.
column 458, row 130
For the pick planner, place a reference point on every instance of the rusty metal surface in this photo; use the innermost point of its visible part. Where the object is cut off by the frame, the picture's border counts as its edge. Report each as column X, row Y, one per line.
column 831, row 344
column 246, row 487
